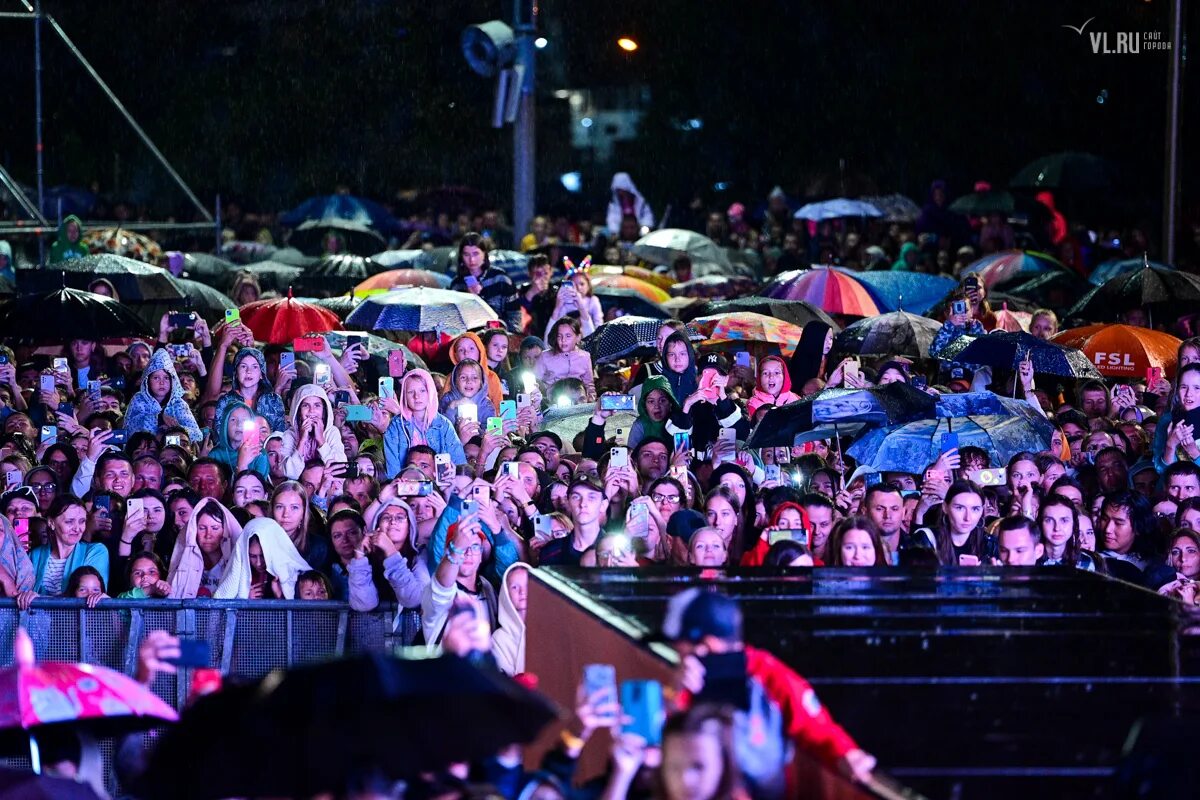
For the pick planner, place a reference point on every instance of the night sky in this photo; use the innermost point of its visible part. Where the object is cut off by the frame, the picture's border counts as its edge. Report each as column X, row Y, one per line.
column 273, row 101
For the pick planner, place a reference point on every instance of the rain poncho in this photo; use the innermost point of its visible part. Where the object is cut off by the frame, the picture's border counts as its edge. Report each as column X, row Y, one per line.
column 187, row 562
column 508, row 642
column 267, row 404
column 432, row 429
column 683, row 384
column 639, row 208
column 144, row 411
column 63, row 248
column 283, row 562
column 480, row 399
column 226, row 453
column 331, row 452
column 762, row 397
column 901, row 263
column 491, row 380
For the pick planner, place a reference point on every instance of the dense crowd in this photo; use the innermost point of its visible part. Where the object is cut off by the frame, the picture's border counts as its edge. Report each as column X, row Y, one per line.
column 204, row 465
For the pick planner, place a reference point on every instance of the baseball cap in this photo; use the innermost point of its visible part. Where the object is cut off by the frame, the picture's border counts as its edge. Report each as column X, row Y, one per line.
column 551, row 435
column 684, row 522
column 695, row 613
column 714, row 361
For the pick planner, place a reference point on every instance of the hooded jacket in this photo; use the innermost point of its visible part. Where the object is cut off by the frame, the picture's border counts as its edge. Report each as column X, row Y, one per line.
column 481, row 399
column 644, row 425
column 641, row 209
column 283, row 562
column 407, row 580
column 63, row 248
column 267, row 403
column 433, row 429
column 901, row 263
column 226, row 453
column 508, row 643
column 13, row 558
column 187, row 562
column 332, row 451
column 762, row 397
column 7, row 271
column 491, row 380
column 144, row 411
column 756, row 556
column 683, row 384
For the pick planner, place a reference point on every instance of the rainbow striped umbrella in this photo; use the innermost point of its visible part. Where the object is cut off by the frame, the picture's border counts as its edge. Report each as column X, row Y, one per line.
column 1008, row 265
column 646, row 290
column 834, row 291
column 748, row 327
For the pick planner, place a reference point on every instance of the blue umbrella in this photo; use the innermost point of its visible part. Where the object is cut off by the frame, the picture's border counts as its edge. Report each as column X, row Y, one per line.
column 837, row 209
column 916, row 445
column 342, row 207
column 1112, row 269
column 421, row 309
column 1004, row 349
column 892, row 403
column 915, row 292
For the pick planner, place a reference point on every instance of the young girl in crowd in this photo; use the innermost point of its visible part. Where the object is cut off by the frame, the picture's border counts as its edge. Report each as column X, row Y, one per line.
column 202, row 552
column 959, row 537
column 467, row 386
column 855, row 542
column 1058, row 520
column 311, row 434
column 575, row 297
column 415, row 420
column 774, row 385
column 564, row 359
column 264, row 565
column 159, row 403
column 469, row 347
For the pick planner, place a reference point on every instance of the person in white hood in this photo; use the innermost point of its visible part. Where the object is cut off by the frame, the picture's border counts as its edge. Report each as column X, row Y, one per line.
column 264, row 565
column 626, row 199
column 311, row 434
column 508, row 642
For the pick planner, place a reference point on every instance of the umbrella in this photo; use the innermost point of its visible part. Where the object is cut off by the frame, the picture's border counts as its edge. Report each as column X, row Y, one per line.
column 570, row 421
column 628, row 301
column 377, row 348
column 293, row 257
column 646, row 290
column 510, row 262
column 715, row 286
column 243, row 252
column 914, row 446
column 336, row 274
column 1117, row 267
column 890, row 404
column 993, row 201
column 211, row 269
column 895, row 207
column 834, row 291
column 281, row 320
column 271, row 275
column 333, row 724
column 624, row 337
column 904, row 291
column 1008, row 265
column 665, row 245
column 1012, row 321
column 199, row 297
column 836, row 209
column 1056, row 289
column 345, row 207
column 121, row 242
column 895, row 334
column 421, row 309
column 1072, row 171
column 797, row 312
column 659, row 279
column 404, row 259
column 747, row 327
column 68, row 314
column 1148, row 286
column 394, row 278
column 1123, row 351
column 58, row 695
column 18, row 784
column 134, row 281
column 309, row 237
column 684, row 308
column 1003, row 350
column 341, row 305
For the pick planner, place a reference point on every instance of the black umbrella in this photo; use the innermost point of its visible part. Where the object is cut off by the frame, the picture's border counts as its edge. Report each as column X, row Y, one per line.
column 993, row 201
column 1056, row 289
column 336, row 274
column 310, row 236
column 135, row 281
column 272, row 276
column 201, row 298
column 896, row 334
column 1071, row 171
column 797, row 312
column 624, row 337
column 1148, row 286
column 891, row 404
column 68, row 314
column 206, row 267
column 341, row 305
column 1004, row 350
column 292, row 257
column 628, row 301
column 331, row 726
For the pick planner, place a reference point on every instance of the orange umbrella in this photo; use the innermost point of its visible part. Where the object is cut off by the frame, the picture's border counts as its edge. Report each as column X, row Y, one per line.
column 399, row 277
column 1123, row 351
column 280, row 320
column 659, row 279
column 647, row 290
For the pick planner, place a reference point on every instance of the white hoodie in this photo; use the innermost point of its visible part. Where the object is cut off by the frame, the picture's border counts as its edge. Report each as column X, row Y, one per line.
column 331, row 452
column 641, row 209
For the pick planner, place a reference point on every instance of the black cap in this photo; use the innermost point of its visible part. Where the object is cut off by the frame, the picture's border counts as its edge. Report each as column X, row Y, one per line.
column 695, row 613
column 714, row 361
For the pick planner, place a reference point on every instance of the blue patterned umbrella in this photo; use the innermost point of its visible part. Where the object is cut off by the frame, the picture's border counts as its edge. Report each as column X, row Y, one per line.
column 1003, row 350
column 914, row 292
column 421, row 309
column 916, row 445
column 837, row 209
column 343, row 207
column 892, row 403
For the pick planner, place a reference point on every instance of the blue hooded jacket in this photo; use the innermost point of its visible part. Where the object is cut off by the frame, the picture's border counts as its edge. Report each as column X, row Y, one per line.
column 144, row 411
column 268, row 404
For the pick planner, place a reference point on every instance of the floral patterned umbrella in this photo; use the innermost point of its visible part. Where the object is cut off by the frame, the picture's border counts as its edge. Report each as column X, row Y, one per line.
column 749, row 327
column 123, row 243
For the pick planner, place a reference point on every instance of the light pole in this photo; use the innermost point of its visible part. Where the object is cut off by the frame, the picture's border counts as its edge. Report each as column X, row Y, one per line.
column 1171, row 162
column 524, row 168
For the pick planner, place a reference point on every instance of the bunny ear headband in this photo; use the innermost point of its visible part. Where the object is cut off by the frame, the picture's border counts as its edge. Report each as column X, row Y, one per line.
column 572, row 269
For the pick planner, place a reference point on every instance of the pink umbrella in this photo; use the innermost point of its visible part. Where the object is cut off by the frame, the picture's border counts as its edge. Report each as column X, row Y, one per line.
column 1012, row 321
column 62, row 694
column 834, row 291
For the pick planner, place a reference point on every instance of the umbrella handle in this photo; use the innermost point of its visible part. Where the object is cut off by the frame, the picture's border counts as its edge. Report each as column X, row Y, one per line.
column 35, row 755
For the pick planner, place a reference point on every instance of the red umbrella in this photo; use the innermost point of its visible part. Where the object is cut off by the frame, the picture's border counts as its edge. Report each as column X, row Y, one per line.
column 33, row 695
column 281, row 320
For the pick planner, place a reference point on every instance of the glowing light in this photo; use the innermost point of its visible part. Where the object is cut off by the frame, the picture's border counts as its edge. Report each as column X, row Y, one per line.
column 627, row 44
column 541, row 42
